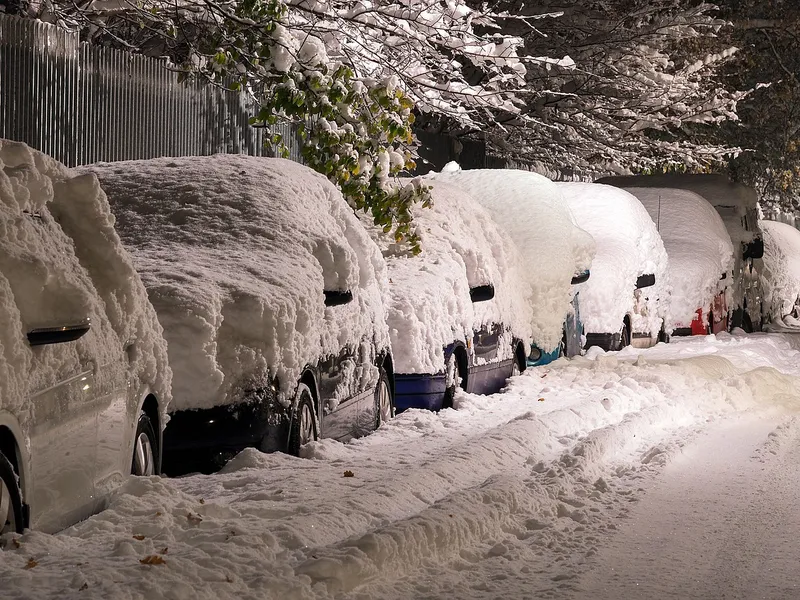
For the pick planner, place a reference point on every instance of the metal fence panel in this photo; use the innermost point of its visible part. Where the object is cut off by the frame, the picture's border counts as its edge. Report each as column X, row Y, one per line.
column 82, row 104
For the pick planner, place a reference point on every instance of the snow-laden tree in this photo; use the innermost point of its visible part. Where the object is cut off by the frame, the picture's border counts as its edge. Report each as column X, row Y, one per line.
column 597, row 85
column 768, row 31
column 643, row 73
column 350, row 72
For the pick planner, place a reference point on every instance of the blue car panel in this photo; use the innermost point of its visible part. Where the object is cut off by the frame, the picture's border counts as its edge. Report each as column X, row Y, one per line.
column 419, row 391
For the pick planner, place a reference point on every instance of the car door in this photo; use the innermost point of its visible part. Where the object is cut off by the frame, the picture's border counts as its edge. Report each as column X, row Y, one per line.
column 486, row 373
column 336, row 375
column 115, row 423
column 63, row 436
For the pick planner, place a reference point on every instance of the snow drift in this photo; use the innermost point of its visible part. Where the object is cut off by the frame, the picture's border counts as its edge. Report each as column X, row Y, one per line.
column 531, row 211
column 61, row 262
column 698, row 246
column 236, row 253
column 781, row 275
column 429, row 305
column 628, row 245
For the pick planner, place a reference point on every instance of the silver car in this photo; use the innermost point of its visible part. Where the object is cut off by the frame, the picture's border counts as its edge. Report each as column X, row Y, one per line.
column 84, row 380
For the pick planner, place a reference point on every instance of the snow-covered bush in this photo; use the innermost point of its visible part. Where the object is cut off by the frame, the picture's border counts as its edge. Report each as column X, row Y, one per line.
column 781, row 274
column 531, row 211
column 236, row 253
column 628, row 245
column 698, row 246
column 61, row 260
column 429, row 302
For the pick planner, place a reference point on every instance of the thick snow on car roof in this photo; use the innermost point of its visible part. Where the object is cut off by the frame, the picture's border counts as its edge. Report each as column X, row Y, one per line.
column 430, row 306
column 60, row 262
column 628, row 245
column 781, row 275
column 531, row 210
column 698, row 246
column 236, row 252
column 732, row 200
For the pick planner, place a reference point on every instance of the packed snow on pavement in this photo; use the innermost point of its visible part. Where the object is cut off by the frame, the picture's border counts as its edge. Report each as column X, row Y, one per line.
column 667, row 472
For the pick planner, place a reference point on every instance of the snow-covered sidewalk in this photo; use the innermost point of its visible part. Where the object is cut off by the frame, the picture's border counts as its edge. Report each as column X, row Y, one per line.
column 528, row 493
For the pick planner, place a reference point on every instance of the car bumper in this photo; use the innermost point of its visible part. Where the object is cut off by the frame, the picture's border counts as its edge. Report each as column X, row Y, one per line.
column 545, row 358
column 414, row 390
column 204, row 440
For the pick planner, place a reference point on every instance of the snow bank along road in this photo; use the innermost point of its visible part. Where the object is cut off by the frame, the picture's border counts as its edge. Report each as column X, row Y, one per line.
column 669, row 472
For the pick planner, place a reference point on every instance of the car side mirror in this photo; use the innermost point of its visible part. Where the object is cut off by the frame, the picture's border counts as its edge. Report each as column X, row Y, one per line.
column 754, row 249
column 645, row 281
column 58, row 335
column 481, row 293
column 337, row 297
column 582, row 277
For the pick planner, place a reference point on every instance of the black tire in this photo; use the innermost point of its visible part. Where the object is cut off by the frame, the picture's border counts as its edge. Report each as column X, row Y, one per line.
column 662, row 335
column 145, row 448
column 520, row 362
column 747, row 323
column 384, row 399
column 303, row 428
column 450, row 392
column 625, row 336
column 10, row 499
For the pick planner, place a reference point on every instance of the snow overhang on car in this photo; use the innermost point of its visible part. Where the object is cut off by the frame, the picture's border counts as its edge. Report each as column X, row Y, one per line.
column 581, row 277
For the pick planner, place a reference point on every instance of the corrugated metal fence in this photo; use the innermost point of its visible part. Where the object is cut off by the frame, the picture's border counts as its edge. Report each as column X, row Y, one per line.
column 82, row 104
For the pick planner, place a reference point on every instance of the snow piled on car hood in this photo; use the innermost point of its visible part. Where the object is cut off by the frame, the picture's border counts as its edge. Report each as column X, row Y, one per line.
column 628, row 245
column 236, row 252
column 531, row 211
column 781, row 275
column 61, row 262
column 698, row 246
column 429, row 305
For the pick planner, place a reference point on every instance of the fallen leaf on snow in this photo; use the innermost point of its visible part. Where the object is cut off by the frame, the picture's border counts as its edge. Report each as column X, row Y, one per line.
column 349, row 474
column 138, row 537
column 31, row 563
column 153, row 559
column 541, row 399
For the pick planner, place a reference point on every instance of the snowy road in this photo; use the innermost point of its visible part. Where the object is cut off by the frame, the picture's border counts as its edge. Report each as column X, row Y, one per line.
column 720, row 522
column 670, row 472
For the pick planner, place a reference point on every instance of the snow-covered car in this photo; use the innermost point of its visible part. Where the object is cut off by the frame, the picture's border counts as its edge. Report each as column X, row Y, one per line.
column 625, row 300
column 781, row 273
column 737, row 204
column 84, row 379
column 700, row 256
column 457, row 311
column 270, row 292
column 556, row 254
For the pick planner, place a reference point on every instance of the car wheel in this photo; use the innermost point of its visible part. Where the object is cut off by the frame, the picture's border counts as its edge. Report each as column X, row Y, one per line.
column 625, row 336
column 10, row 499
column 384, row 403
column 454, row 380
column 304, row 422
column 144, row 455
column 663, row 336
